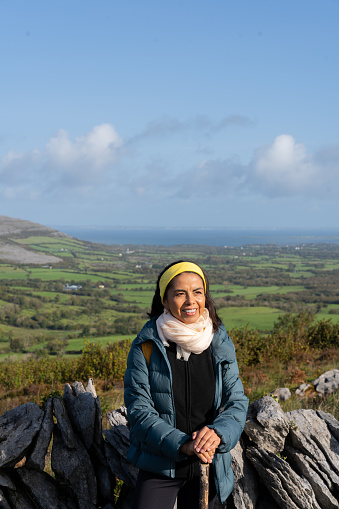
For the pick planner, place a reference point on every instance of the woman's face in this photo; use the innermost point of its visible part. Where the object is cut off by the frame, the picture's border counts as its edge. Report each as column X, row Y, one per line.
column 185, row 297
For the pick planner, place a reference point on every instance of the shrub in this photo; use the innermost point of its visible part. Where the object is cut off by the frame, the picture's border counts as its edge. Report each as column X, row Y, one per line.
column 250, row 346
column 104, row 362
column 57, row 346
column 323, row 334
column 289, row 336
column 97, row 361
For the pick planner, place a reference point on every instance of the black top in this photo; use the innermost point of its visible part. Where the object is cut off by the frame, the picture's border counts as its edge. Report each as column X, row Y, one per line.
column 193, row 390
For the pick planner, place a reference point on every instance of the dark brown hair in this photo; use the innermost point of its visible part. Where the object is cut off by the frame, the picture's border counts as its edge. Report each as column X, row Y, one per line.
column 158, row 307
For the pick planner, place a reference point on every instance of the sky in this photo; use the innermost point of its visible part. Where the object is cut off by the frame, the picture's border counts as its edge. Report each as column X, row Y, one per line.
column 175, row 113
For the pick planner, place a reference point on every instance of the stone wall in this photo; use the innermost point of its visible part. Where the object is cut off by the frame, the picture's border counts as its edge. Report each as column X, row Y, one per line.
column 283, row 460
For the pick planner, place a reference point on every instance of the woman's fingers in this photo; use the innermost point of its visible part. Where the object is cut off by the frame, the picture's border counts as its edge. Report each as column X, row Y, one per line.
column 203, row 444
column 205, row 457
column 205, row 440
column 189, row 449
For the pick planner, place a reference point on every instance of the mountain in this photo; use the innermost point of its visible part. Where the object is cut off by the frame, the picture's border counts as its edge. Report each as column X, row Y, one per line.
column 13, row 227
column 13, row 230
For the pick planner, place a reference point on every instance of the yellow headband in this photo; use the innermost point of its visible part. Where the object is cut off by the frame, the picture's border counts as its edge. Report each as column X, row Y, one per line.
column 176, row 269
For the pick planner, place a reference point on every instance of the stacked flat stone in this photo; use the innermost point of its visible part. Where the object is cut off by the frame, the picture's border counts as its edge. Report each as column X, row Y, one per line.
column 283, row 460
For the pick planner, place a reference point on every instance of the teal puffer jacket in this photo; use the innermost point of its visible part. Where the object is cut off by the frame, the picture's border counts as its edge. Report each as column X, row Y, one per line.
column 155, row 441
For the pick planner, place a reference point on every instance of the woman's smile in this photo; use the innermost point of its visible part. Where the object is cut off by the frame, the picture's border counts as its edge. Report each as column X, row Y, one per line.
column 185, row 297
column 190, row 312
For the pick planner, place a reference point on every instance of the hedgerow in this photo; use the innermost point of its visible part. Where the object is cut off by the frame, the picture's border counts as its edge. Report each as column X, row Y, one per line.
column 97, row 361
column 292, row 335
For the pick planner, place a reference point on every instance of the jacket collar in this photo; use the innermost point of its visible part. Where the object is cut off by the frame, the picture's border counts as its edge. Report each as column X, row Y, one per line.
column 222, row 346
column 149, row 332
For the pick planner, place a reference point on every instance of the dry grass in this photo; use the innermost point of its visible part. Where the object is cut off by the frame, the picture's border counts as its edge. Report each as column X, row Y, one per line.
column 258, row 381
column 262, row 379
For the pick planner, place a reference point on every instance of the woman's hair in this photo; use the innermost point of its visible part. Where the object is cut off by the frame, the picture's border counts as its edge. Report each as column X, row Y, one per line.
column 158, row 307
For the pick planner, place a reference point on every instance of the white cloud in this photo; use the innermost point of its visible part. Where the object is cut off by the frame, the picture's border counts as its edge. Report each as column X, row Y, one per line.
column 168, row 126
column 98, row 148
column 95, row 167
column 210, row 178
column 284, row 168
column 63, row 162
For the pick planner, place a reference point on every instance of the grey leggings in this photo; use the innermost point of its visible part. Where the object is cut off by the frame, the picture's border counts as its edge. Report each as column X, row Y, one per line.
column 158, row 492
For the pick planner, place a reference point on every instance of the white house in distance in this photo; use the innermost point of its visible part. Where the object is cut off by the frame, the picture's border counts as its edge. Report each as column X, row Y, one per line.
column 69, row 288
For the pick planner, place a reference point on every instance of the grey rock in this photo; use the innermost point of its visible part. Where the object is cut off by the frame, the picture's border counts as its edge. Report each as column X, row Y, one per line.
column 73, row 468
column 105, row 478
column 245, row 492
column 36, row 458
column 320, row 483
column 282, row 393
column 43, row 489
column 217, row 505
column 310, row 435
column 327, row 382
column 20, row 500
column 3, row 502
column 64, row 424
column 81, row 408
column 106, row 483
column 301, row 390
column 97, row 455
column 287, row 488
column 118, row 417
column 77, row 388
column 332, row 423
column 327, row 388
column 18, row 428
column 267, row 425
column 116, row 448
column 97, row 433
column 266, row 502
column 90, row 387
column 6, row 481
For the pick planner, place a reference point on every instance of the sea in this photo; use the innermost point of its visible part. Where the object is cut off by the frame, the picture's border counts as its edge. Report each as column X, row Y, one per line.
column 204, row 236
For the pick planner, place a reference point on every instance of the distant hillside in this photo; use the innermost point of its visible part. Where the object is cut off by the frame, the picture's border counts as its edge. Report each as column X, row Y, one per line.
column 13, row 227
column 12, row 230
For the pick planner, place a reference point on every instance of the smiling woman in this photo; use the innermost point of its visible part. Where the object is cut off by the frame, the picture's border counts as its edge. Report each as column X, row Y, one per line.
column 184, row 399
column 185, row 297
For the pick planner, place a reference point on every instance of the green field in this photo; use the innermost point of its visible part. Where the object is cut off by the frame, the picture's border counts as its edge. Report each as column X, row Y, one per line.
column 252, row 292
column 259, row 318
column 253, row 286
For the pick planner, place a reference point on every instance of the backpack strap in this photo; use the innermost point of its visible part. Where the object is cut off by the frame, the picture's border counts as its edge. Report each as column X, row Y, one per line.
column 147, row 349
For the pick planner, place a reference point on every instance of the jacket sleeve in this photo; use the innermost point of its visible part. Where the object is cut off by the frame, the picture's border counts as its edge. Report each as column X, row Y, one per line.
column 148, row 429
column 231, row 418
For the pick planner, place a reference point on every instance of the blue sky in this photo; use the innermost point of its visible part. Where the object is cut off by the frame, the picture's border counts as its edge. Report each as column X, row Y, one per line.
column 170, row 113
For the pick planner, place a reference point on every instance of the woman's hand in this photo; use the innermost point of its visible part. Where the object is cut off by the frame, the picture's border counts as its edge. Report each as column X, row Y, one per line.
column 203, row 444
column 205, row 440
column 188, row 449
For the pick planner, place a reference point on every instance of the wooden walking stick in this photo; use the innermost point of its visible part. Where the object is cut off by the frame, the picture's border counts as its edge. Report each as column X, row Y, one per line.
column 203, row 496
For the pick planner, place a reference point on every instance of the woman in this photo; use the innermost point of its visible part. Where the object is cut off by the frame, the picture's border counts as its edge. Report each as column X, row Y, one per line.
column 184, row 399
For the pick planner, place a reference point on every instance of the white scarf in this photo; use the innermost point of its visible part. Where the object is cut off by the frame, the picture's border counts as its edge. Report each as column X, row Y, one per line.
column 189, row 338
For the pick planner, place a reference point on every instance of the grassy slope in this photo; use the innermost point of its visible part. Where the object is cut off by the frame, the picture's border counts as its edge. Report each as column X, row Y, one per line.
column 233, row 276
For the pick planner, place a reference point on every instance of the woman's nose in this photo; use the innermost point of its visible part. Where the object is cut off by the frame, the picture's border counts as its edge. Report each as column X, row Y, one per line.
column 189, row 297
